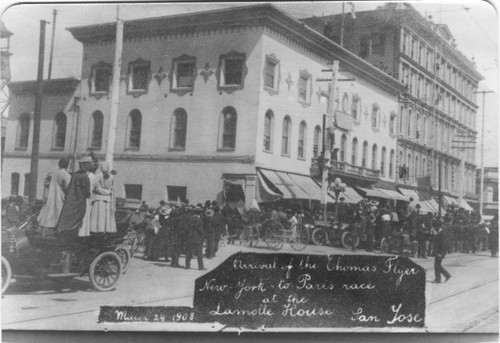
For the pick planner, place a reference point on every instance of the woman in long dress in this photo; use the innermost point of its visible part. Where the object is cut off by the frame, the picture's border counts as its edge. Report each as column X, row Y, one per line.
column 84, row 230
column 102, row 214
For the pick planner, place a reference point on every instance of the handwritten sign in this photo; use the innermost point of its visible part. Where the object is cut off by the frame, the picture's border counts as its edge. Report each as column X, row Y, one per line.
column 284, row 290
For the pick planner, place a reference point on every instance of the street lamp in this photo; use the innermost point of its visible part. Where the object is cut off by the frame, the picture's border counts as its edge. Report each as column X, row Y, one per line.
column 337, row 187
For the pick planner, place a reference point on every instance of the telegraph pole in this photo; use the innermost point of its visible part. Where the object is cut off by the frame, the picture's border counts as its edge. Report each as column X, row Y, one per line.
column 326, row 148
column 52, row 42
column 481, row 183
column 37, row 114
column 115, row 90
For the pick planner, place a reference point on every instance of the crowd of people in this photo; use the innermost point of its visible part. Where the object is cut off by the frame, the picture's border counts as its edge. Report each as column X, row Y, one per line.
column 82, row 206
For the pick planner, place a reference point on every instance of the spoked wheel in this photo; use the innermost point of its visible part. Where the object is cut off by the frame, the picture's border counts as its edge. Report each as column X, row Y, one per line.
column 125, row 256
column 300, row 239
column 246, row 236
column 274, row 235
column 105, row 271
column 137, row 243
column 319, row 236
column 348, row 241
column 384, row 245
column 6, row 274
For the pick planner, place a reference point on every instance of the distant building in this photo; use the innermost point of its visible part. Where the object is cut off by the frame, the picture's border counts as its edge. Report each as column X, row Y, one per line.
column 490, row 190
column 56, row 134
column 438, row 109
column 4, row 78
column 219, row 105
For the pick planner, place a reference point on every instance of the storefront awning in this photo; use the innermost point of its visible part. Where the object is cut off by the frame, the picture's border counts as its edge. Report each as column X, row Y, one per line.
column 465, row 206
column 374, row 192
column 410, row 193
column 293, row 186
column 426, row 207
column 393, row 195
column 264, row 193
column 349, row 194
column 450, row 201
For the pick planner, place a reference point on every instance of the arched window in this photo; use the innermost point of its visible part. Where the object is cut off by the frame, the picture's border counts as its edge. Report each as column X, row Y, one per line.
column 382, row 161
column 417, row 127
column 401, row 120
column 302, row 140
column 409, row 165
column 424, row 124
column 285, row 136
column 391, row 163
column 343, row 148
column 14, row 184
column 180, row 128
column 417, row 165
column 23, row 131
column 134, row 129
column 354, row 151
column 59, row 136
column 408, row 131
column 229, row 120
column 317, row 141
column 268, row 130
column 27, row 184
column 364, row 156
column 374, row 156
column 96, row 124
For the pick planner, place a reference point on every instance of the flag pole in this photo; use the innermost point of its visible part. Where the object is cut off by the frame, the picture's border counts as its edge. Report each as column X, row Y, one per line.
column 115, row 90
column 342, row 25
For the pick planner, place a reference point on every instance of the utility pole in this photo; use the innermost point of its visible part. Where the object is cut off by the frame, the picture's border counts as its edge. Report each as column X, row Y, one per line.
column 37, row 116
column 115, row 90
column 342, row 25
column 439, row 188
column 326, row 147
column 52, row 42
column 481, row 183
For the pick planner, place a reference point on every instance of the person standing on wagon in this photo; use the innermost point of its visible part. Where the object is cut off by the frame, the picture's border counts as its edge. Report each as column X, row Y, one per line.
column 75, row 205
column 58, row 185
column 102, row 212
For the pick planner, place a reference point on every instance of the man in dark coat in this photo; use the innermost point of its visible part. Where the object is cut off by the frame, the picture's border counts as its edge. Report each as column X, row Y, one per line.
column 195, row 239
column 440, row 249
column 218, row 224
column 75, row 205
column 176, row 217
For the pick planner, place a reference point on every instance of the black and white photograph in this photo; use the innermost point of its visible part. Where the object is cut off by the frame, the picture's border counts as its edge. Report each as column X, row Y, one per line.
column 250, row 167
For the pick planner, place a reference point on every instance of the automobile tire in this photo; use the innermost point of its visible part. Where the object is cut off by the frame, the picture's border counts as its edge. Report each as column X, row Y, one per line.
column 125, row 256
column 6, row 274
column 347, row 241
column 319, row 236
column 105, row 271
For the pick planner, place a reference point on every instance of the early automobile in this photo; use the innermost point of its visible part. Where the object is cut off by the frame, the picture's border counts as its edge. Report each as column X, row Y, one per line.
column 27, row 255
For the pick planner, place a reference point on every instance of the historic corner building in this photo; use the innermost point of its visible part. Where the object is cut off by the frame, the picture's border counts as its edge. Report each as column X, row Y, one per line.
column 222, row 105
column 438, row 108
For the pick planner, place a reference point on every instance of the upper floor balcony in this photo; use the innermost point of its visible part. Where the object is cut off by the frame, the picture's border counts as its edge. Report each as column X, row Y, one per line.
column 343, row 167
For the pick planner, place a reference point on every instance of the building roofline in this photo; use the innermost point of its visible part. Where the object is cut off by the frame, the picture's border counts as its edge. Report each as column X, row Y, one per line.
column 260, row 14
column 62, row 85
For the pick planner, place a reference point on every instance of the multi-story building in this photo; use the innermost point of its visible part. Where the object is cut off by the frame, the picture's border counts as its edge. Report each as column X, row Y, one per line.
column 4, row 78
column 490, row 191
column 438, row 110
column 222, row 105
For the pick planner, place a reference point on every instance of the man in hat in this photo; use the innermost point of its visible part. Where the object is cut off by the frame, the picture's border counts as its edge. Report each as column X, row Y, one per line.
column 75, row 205
column 195, row 236
column 12, row 215
column 58, row 181
column 440, row 249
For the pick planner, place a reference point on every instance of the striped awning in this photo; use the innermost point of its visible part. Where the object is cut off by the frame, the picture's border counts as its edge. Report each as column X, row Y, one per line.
column 410, row 193
column 293, row 186
column 393, row 195
column 349, row 194
column 374, row 192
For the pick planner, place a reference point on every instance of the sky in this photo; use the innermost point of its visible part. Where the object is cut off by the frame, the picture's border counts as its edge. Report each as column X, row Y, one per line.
column 473, row 23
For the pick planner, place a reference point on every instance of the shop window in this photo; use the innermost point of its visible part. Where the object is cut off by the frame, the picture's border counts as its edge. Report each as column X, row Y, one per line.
column 176, row 193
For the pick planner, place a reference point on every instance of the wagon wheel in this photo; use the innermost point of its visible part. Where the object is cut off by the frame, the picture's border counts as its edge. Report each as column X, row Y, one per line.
column 6, row 274
column 384, row 245
column 105, row 271
column 274, row 235
column 347, row 240
column 246, row 236
column 125, row 256
column 319, row 236
column 300, row 239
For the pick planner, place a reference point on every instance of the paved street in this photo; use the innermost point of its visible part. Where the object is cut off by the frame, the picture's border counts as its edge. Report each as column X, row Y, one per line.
column 466, row 303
